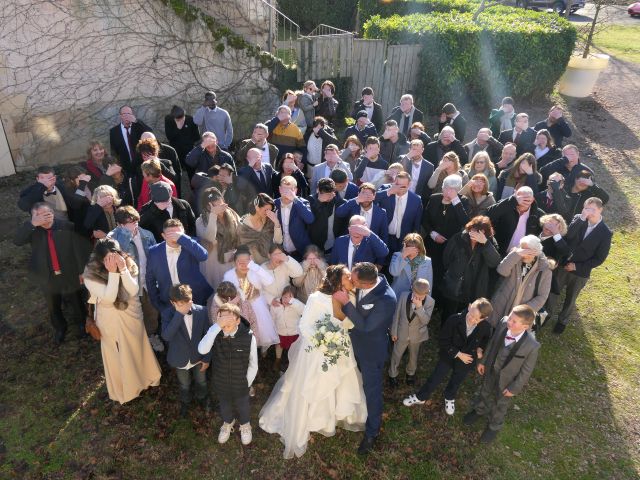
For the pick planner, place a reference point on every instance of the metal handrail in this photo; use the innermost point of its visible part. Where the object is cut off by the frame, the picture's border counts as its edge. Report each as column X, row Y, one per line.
column 323, row 30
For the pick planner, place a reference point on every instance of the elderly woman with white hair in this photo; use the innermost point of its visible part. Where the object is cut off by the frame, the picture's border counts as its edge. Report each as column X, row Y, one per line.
column 445, row 215
column 525, row 279
column 100, row 218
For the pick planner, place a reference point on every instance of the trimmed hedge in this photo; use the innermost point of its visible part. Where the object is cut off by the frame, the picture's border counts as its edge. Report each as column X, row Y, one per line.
column 508, row 51
column 385, row 8
column 308, row 14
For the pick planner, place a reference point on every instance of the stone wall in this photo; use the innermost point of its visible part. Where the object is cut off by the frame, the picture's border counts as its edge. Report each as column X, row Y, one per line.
column 67, row 66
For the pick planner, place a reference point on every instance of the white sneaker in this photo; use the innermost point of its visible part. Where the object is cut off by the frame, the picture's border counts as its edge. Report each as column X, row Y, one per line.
column 412, row 400
column 225, row 432
column 449, row 406
column 245, row 434
column 156, row 343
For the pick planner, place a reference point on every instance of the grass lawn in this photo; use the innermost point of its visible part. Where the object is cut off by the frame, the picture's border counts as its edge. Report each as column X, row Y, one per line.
column 620, row 40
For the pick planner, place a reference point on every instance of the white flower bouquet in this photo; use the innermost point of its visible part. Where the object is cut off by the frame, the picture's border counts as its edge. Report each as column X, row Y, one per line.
column 331, row 340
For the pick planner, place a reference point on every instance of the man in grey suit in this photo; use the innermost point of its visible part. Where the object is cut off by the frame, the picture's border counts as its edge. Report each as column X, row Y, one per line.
column 506, row 366
column 324, row 169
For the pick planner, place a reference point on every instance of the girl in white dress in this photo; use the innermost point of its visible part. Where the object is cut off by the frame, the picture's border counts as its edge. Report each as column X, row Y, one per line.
column 307, row 399
column 250, row 280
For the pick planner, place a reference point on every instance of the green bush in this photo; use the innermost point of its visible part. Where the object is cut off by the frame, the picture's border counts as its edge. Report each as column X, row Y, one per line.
column 507, row 51
column 385, row 8
column 308, row 14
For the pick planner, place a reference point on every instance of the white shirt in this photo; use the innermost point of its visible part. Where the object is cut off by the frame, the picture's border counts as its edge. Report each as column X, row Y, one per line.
column 540, row 152
column 396, row 223
column 520, row 231
column 366, row 291
column 172, row 261
column 590, row 228
column 517, row 338
column 188, row 322
column 350, row 254
column 367, row 214
column 415, row 174
column 327, row 171
column 369, row 110
column 170, row 210
column 124, row 129
column 314, row 150
column 142, row 261
column 285, row 213
column 266, row 158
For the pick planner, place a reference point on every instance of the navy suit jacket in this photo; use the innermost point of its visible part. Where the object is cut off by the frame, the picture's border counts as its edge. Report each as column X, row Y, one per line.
column 351, row 191
column 248, row 175
column 379, row 223
column 183, row 349
column 372, row 317
column 371, row 249
column 412, row 212
column 159, row 278
column 299, row 218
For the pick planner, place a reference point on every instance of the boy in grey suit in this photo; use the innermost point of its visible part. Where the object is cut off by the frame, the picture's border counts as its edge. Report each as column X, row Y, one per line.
column 507, row 365
column 409, row 328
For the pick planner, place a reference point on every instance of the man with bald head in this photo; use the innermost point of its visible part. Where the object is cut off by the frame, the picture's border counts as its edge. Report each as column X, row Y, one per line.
column 360, row 245
column 446, row 142
column 507, row 157
column 514, row 217
column 484, row 142
column 124, row 137
column 256, row 177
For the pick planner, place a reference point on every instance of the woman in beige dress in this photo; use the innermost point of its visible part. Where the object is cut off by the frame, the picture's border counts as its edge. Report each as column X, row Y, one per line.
column 217, row 231
column 260, row 228
column 130, row 365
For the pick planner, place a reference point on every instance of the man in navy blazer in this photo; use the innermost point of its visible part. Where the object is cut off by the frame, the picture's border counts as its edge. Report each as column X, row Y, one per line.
column 363, row 205
column 419, row 169
column 360, row 245
column 256, row 177
column 404, row 210
column 345, row 188
column 176, row 260
column 372, row 316
column 589, row 240
column 183, row 326
column 294, row 214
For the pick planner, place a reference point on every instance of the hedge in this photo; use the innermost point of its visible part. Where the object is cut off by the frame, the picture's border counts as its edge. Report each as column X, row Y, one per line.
column 308, row 14
column 508, row 51
column 385, row 8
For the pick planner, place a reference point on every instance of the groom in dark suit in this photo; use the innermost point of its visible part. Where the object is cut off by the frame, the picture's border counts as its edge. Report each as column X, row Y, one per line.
column 372, row 316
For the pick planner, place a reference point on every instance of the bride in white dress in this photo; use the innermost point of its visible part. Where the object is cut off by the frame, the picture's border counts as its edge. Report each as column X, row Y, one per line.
column 306, row 398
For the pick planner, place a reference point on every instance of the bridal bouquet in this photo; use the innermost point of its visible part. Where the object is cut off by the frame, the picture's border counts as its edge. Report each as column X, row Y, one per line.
column 332, row 340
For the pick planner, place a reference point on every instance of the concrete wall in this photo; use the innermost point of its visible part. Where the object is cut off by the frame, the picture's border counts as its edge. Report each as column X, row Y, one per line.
column 67, row 66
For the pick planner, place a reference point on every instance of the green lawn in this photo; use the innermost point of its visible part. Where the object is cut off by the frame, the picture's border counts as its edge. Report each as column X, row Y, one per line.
column 622, row 41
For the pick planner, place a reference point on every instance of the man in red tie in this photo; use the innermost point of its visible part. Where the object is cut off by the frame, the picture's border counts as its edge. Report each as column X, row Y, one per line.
column 58, row 256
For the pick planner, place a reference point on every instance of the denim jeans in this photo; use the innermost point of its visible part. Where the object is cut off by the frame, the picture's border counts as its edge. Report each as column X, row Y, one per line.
column 184, row 379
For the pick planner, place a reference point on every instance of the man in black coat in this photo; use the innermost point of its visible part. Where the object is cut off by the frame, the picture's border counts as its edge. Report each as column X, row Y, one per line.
column 447, row 142
column 521, row 134
column 569, row 166
column 373, row 109
column 257, row 177
column 58, row 256
column 406, row 114
column 323, row 206
column 162, row 207
column 124, row 137
column 589, row 240
column 452, row 117
column 202, row 157
column 484, row 142
column 514, row 217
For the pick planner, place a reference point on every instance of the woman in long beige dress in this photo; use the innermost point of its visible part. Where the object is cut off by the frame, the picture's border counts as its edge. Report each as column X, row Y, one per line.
column 260, row 228
column 130, row 365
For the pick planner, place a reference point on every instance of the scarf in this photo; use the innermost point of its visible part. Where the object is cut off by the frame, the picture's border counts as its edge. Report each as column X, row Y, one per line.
column 96, row 271
column 226, row 233
column 415, row 264
column 111, row 219
column 505, row 122
column 257, row 241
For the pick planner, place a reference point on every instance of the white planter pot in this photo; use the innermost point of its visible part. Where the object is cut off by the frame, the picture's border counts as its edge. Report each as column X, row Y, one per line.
column 582, row 74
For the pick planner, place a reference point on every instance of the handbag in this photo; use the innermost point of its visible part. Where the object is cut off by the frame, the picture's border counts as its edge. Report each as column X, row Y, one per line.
column 90, row 325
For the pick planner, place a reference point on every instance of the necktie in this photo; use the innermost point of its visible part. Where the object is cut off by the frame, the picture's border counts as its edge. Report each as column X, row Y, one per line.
column 129, row 142
column 55, row 264
column 549, row 202
column 396, row 215
column 509, row 337
column 263, row 182
column 515, row 140
column 353, row 257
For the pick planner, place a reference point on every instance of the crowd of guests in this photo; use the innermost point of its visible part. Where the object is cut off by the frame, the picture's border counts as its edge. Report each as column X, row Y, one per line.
column 211, row 246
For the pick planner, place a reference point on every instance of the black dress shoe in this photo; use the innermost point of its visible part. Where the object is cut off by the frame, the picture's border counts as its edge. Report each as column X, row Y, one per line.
column 58, row 336
column 488, row 435
column 471, row 417
column 366, row 445
column 184, row 410
column 393, row 382
column 411, row 379
column 559, row 328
